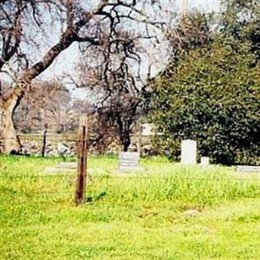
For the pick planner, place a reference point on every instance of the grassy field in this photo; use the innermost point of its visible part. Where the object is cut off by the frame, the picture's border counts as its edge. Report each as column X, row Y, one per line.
column 166, row 212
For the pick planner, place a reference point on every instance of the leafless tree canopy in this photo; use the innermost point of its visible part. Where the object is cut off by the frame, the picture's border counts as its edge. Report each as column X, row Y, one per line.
column 44, row 103
column 29, row 42
column 112, row 24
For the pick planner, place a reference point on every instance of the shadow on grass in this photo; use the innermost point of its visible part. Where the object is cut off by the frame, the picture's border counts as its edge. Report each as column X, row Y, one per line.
column 96, row 197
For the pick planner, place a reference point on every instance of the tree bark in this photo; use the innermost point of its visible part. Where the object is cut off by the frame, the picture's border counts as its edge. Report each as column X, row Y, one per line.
column 9, row 141
column 126, row 141
column 125, row 146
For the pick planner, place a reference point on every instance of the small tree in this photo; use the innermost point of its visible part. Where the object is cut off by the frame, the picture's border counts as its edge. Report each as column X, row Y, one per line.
column 117, row 89
column 117, row 117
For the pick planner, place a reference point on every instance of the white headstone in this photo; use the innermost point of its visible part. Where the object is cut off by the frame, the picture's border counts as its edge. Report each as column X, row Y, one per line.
column 189, row 152
column 204, row 161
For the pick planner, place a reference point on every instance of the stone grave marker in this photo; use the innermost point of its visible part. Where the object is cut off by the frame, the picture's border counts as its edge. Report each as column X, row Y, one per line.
column 129, row 161
column 188, row 152
column 248, row 168
column 204, row 161
column 67, row 165
column 62, row 167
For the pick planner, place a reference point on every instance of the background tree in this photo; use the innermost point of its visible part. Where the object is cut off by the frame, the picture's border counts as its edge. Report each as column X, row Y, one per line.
column 117, row 92
column 98, row 25
column 44, row 103
column 189, row 33
column 212, row 96
column 240, row 21
column 117, row 117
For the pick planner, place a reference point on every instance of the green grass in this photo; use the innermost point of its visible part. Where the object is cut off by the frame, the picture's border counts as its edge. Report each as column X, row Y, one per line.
column 143, row 216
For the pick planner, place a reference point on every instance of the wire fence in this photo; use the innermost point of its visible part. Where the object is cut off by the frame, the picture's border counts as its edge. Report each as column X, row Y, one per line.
column 110, row 180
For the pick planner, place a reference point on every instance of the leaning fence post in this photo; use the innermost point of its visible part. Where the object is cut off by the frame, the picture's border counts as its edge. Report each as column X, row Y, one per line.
column 82, row 161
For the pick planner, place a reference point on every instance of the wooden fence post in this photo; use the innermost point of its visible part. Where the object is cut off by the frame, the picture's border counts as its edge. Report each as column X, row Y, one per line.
column 82, row 161
column 44, row 139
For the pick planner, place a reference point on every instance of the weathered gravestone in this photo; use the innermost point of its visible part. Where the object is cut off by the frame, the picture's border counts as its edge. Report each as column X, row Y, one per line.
column 67, row 165
column 129, row 161
column 248, row 168
column 188, row 152
column 62, row 168
column 204, row 162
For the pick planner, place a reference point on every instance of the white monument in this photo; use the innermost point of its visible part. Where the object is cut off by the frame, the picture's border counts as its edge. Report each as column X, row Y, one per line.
column 204, row 161
column 189, row 152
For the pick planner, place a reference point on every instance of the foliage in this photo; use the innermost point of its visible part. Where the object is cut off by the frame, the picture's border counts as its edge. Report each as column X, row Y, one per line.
column 212, row 95
column 240, row 21
column 141, row 217
column 213, row 98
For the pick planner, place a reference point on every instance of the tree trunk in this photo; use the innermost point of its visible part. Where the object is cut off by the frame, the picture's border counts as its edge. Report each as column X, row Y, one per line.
column 9, row 141
column 124, row 132
column 126, row 141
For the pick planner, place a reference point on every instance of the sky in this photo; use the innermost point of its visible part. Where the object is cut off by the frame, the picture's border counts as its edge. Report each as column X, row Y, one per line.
column 65, row 63
column 205, row 5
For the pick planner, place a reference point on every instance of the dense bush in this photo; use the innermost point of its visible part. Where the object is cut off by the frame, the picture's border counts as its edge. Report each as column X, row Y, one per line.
column 211, row 93
column 212, row 97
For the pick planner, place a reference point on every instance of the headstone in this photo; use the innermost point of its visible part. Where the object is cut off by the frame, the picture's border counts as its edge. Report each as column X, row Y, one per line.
column 129, row 161
column 189, row 152
column 67, row 165
column 247, row 168
column 204, row 161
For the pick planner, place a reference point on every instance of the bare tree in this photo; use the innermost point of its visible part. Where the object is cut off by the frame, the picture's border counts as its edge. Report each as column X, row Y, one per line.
column 44, row 103
column 95, row 23
column 118, row 94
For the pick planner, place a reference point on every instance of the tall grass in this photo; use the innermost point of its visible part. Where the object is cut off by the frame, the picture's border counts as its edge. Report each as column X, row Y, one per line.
column 202, row 190
column 161, row 182
column 126, row 216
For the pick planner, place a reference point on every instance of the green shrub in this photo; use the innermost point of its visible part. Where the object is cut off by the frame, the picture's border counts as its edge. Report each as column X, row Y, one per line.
column 212, row 97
